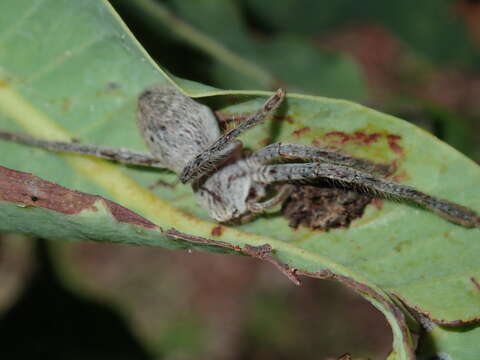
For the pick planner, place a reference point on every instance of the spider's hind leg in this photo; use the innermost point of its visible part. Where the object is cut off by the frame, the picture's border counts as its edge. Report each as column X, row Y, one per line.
column 290, row 173
column 281, row 151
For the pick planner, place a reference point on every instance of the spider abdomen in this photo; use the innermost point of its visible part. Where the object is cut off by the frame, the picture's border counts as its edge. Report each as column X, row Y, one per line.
column 175, row 128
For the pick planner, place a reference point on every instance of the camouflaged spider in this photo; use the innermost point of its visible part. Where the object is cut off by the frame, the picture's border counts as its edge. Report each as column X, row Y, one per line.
column 184, row 136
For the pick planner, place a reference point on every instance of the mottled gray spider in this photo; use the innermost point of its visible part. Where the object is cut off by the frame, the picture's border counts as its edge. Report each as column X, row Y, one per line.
column 184, row 137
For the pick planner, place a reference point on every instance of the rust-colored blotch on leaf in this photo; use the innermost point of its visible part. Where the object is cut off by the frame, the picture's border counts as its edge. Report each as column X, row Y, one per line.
column 31, row 191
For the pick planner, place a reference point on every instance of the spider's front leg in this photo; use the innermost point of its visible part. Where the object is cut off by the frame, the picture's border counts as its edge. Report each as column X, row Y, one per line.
column 122, row 155
column 208, row 159
column 309, row 172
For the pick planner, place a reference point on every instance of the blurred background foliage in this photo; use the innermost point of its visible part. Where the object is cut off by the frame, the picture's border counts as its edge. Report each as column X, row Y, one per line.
column 419, row 60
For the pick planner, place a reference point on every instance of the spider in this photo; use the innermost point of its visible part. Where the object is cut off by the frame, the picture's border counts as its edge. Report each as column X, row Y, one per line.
column 184, row 136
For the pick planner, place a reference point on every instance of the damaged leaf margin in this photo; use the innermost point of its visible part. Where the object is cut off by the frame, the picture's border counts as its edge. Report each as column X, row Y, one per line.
column 61, row 213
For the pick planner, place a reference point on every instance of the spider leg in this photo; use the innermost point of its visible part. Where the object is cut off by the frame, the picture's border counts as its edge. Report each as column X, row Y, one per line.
column 121, row 155
column 226, row 144
column 310, row 171
column 278, row 151
column 257, row 207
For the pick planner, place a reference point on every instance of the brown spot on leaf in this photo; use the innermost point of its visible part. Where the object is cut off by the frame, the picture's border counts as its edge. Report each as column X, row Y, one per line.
column 358, row 136
column 217, row 230
column 30, row 190
column 338, row 139
column 342, row 137
column 300, row 132
column 367, row 139
column 323, row 207
column 288, row 119
column 3, row 83
column 393, row 143
column 265, row 141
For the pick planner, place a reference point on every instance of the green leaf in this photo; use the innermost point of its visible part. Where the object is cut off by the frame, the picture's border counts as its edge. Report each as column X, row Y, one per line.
column 79, row 77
